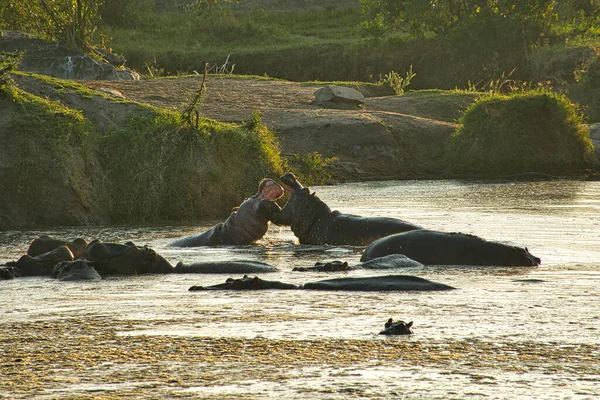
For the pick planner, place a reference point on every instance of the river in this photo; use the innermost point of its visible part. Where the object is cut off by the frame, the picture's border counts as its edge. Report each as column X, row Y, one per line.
column 504, row 333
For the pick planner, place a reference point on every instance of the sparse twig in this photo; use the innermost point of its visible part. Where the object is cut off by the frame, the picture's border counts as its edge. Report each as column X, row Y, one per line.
column 191, row 115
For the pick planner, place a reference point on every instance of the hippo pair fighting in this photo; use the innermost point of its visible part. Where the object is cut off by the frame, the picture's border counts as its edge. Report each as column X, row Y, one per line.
column 311, row 220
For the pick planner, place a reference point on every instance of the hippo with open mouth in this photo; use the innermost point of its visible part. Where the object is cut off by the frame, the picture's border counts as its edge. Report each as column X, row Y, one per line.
column 246, row 224
column 313, row 222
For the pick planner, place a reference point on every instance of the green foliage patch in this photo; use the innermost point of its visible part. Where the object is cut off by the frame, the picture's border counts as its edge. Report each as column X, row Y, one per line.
column 537, row 131
column 150, row 169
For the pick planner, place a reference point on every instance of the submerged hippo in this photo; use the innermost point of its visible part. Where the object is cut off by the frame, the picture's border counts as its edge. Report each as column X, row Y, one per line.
column 126, row 259
column 248, row 223
column 245, row 283
column 43, row 264
column 441, row 248
column 397, row 328
column 8, row 272
column 224, row 267
column 313, row 222
column 45, row 244
column 77, row 270
column 328, row 266
column 392, row 261
column 366, row 284
column 378, row 283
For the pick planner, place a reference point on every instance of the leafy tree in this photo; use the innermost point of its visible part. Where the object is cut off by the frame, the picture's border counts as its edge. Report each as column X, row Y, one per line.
column 72, row 22
column 443, row 17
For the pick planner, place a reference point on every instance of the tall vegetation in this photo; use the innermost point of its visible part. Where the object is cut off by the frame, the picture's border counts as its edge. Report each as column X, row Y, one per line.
column 537, row 131
column 72, row 22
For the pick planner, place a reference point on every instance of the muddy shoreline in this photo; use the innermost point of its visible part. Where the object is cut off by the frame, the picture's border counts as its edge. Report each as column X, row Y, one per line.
column 95, row 357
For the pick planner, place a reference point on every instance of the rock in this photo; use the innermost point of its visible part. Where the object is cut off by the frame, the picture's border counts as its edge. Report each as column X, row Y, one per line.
column 338, row 97
column 54, row 59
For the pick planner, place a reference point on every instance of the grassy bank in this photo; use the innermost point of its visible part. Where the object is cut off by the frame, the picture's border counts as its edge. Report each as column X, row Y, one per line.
column 76, row 157
column 535, row 131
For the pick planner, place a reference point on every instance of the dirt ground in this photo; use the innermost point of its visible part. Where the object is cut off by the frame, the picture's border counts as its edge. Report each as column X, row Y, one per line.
column 388, row 137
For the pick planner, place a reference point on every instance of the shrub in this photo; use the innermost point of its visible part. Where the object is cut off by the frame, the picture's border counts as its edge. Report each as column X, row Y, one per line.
column 534, row 131
column 72, row 22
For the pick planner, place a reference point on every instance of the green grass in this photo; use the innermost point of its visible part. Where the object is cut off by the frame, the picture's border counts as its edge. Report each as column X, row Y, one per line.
column 182, row 41
column 535, row 131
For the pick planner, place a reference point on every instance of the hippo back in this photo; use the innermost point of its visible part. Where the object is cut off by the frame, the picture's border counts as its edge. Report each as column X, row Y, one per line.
column 442, row 248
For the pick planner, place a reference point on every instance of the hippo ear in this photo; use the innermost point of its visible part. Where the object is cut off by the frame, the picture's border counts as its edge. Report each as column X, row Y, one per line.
column 409, row 324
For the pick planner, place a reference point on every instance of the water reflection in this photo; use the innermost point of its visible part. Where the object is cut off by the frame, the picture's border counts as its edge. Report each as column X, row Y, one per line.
column 496, row 309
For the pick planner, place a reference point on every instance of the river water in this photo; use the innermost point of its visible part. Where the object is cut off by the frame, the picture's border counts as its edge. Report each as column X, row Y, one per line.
column 504, row 333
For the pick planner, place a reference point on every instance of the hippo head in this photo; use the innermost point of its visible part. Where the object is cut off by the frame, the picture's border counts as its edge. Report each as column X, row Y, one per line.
column 302, row 209
column 270, row 190
column 78, row 270
column 290, row 182
column 397, row 328
column 519, row 256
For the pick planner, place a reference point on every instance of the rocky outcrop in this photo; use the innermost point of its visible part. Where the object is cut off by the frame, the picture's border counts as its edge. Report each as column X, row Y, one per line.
column 54, row 59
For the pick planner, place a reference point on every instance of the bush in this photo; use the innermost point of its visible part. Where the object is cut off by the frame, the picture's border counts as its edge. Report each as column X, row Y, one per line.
column 537, row 131
column 72, row 23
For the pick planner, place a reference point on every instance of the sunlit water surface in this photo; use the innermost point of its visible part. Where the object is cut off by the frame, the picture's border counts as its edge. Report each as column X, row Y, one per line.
column 559, row 221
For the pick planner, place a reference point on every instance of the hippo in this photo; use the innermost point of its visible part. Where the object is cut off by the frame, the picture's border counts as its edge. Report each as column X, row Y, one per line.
column 397, row 328
column 77, row 270
column 43, row 264
column 366, row 284
column 391, row 261
column 440, row 248
column 126, row 259
column 224, row 267
column 313, row 222
column 45, row 244
column 246, row 283
column 246, row 224
column 8, row 272
column 378, row 283
column 328, row 266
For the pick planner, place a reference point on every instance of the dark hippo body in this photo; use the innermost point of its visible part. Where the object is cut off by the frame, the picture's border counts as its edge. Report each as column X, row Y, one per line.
column 378, row 283
column 397, row 328
column 246, row 283
column 245, row 225
column 45, row 244
column 43, row 264
column 126, row 259
column 313, row 222
column 77, row 270
column 224, row 267
column 441, row 248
